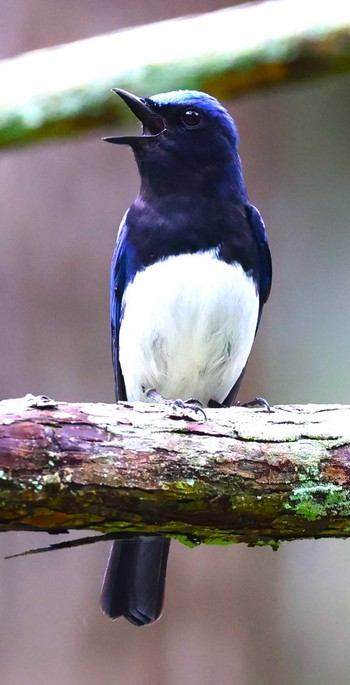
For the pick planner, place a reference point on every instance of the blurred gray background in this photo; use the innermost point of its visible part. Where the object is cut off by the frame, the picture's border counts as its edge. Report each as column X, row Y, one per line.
column 233, row 614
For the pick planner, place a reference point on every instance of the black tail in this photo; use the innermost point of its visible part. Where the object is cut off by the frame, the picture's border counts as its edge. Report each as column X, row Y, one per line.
column 133, row 585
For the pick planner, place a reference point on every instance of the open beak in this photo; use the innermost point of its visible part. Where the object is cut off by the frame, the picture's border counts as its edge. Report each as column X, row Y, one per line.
column 153, row 124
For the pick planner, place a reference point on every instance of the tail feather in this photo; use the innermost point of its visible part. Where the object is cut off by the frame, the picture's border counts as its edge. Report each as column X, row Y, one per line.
column 134, row 580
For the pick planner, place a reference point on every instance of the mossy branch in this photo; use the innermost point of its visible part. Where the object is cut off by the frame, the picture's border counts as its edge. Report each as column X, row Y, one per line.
column 243, row 475
column 64, row 90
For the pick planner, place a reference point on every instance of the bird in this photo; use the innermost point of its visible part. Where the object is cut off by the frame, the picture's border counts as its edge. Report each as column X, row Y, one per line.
column 191, row 272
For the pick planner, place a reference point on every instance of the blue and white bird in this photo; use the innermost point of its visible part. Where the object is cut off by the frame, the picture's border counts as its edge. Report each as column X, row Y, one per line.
column 190, row 274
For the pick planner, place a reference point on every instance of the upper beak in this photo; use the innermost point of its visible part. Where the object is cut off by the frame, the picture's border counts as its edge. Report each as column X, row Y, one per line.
column 152, row 123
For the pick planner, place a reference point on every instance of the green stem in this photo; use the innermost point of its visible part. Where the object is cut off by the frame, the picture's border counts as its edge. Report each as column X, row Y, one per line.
column 64, row 90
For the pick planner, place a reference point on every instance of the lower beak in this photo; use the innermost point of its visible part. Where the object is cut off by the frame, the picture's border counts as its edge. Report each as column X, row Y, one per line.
column 152, row 122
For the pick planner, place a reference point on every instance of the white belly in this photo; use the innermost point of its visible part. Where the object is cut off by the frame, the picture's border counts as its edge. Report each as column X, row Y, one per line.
column 188, row 327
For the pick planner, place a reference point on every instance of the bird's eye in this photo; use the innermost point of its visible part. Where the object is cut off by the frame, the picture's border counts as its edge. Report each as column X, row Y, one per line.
column 190, row 117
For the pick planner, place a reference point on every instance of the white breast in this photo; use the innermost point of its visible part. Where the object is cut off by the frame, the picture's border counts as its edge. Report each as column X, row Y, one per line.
column 188, row 327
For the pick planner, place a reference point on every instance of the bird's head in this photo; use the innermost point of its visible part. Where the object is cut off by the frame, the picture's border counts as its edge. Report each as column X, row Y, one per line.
column 187, row 136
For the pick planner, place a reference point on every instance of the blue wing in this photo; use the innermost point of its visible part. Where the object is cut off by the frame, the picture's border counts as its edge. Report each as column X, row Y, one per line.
column 264, row 278
column 265, row 266
column 117, row 288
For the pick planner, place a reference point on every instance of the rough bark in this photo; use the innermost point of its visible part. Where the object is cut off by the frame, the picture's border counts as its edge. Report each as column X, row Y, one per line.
column 64, row 90
column 243, row 475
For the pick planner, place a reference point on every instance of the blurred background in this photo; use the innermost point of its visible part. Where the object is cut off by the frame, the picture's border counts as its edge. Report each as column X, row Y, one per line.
column 232, row 614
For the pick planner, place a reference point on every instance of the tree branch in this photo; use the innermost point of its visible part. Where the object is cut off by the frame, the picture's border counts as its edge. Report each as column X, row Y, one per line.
column 64, row 90
column 241, row 476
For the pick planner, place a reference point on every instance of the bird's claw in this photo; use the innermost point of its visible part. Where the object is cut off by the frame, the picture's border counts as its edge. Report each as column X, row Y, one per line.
column 190, row 410
column 256, row 402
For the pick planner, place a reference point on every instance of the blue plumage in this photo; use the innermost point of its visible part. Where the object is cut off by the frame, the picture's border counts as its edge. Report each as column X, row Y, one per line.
column 190, row 274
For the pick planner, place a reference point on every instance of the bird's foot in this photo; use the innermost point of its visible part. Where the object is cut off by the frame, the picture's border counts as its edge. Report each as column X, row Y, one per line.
column 257, row 402
column 190, row 410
